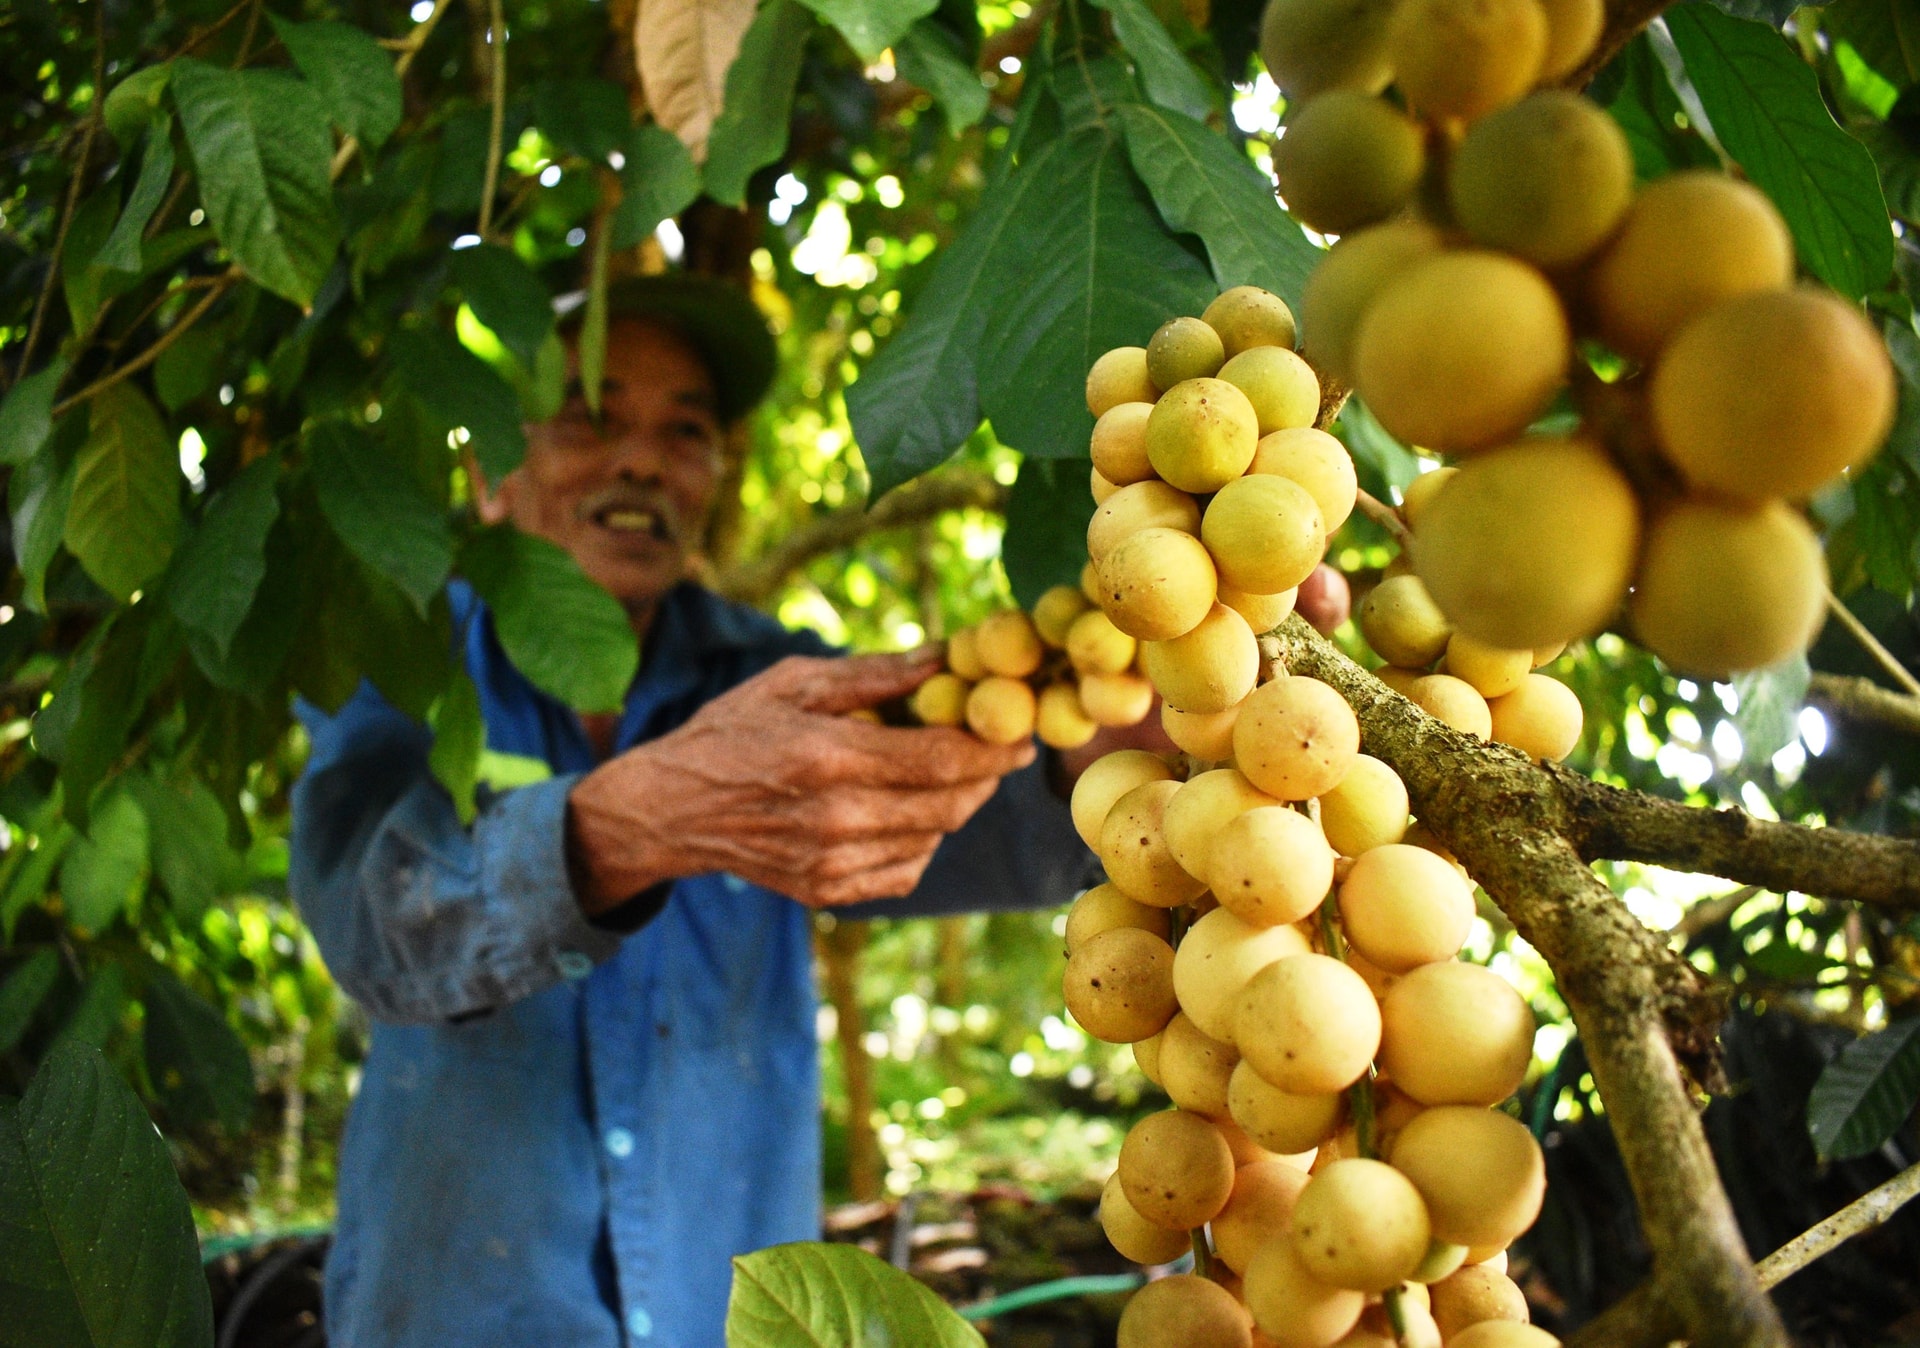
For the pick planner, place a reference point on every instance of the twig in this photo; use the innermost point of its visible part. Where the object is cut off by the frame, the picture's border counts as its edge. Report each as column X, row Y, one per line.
column 496, row 126
column 1385, row 516
column 1881, row 655
column 1710, row 913
column 152, row 353
column 408, row 47
column 1625, row 19
column 1858, row 699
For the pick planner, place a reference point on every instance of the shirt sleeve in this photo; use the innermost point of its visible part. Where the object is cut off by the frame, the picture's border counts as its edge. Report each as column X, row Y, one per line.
column 421, row 917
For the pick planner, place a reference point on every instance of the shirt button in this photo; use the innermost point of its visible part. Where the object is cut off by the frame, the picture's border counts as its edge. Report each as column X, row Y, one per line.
column 734, row 884
column 573, row 964
column 639, row 1323
column 619, row 1143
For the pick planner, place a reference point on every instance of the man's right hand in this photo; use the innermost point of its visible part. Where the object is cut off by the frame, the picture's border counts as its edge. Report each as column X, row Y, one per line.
column 775, row 783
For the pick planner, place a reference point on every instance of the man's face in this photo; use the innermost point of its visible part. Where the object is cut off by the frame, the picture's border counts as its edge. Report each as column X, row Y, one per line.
column 628, row 500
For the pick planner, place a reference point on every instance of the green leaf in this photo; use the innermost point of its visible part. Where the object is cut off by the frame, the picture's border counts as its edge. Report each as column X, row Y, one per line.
column 809, row 1293
column 560, row 629
column 1634, row 89
column 1169, row 78
column 262, row 154
column 83, row 284
column 1866, row 1092
column 1111, row 272
column 591, row 349
column 587, row 117
column 26, row 413
column 1203, row 185
column 100, row 1011
column 38, row 494
column 1770, row 12
column 872, row 26
column 1896, row 153
column 751, row 130
column 459, row 740
column 1047, row 515
column 31, row 881
column 352, row 75
column 84, row 729
column 98, row 1243
column 188, row 836
column 107, row 865
column 457, row 388
column 1766, row 109
column 24, row 992
column 185, row 369
column 1770, row 703
column 222, row 562
column 506, row 295
column 379, row 511
column 121, row 251
column 131, row 104
column 931, row 57
column 659, row 180
column 194, row 1059
column 124, row 518
column 1886, row 33
column 1785, row 962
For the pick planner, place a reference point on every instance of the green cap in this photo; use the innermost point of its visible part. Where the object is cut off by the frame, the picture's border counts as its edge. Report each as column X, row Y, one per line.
column 716, row 317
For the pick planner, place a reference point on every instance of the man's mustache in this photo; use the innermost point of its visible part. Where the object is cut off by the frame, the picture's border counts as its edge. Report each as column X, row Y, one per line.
column 632, row 496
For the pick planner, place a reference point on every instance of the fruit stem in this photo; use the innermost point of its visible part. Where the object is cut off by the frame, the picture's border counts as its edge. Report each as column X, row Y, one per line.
column 1393, row 1300
column 1202, row 1256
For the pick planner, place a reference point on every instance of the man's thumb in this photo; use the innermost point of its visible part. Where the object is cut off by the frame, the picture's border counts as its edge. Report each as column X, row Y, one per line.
column 840, row 686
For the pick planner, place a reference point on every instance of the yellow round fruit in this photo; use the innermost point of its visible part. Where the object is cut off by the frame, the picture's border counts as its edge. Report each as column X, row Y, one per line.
column 941, row 700
column 1531, row 544
column 1295, row 738
column 1245, row 1150
column 1417, row 493
column 1402, row 907
column 1096, row 646
column 1283, row 388
column 1119, row 985
column 1090, row 580
column 1120, row 444
column 1465, row 58
column 1105, row 907
column 1157, row 584
column 1547, row 654
column 1194, row 1070
column 1293, row 1308
column 1106, row 780
column 1481, row 1173
column 1368, row 809
column 1492, row 670
column 1359, row 1224
column 1247, row 316
column 1140, row 505
column 1217, row 958
column 1209, row 669
column 1008, row 644
column 1261, row 1209
column 1487, row 1256
column 1348, row 159
column 1773, row 393
column 1542, row 718
column 1263, row 612
column 1502, row 1334
column 1454, row 701
column 1399, row 679
column 1440, row 1261
column 1404, row 626
column 1462, row 350
column 1311, row 46
column 1725, row 587
column 1270, row 865
column 1115, row 699
column 1132, row 1235
column 1317, row 462
column 1455, row 1034
column 1208, row 736
column 963, row 655
column 1146, row 1056
column 1280, row 1120
column 1133, row 848
column 1345, row 282
column 1184, row 1309
column 1201, row 808
column 1054, row 613
column 1100, row 488
column 1060, row 721
column 1176, row 1169
column 1308, row 1024
column 1548, row 178
column 1690, row 240
column 1573, row 27
column 1001, row 710
column 1183, row 349
column 1264, row 532
column 1120, row 376
column 1473, row 1295
column 1202, row 434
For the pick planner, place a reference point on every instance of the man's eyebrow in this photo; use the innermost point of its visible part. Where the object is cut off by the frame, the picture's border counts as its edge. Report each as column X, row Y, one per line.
column 703, row 399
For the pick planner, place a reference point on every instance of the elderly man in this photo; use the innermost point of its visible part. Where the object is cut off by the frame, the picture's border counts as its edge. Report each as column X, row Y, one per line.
column 593, row 1075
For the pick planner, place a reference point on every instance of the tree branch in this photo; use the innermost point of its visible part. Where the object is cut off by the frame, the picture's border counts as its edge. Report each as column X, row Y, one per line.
column 160, row 344
column 919, row 500
column 1625, row 19
column 1857, row 699
column 1640, row 1009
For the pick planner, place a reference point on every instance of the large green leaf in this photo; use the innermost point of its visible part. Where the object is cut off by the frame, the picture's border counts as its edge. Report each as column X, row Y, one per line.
column 587, row 117
column 101, row 1010
column 751, row 130
column 1204, row 186
column 124, row 518
column 97, row 1247
column 1169, row 78
column 1765, row 106
column 188, row 837
column 221, row 564
column 1047, row 515
column 1768, row 718
column 1110, row 273
column 459, row 739
column 26, row 413
column 84, row 285
column 39, row 492
column 810, row 1293
column 872, row 26
column 353, row 77
column 1866, row 1092
column 262, row 154
column 560, row 629
column 457, row 388
column 658, row 180
column 1886, row 33
column 23, row 992
column 194, row 1059
column 379, row 511
column 132, row 102
column 121, row 251
column 506, row 295
column 931, row 57
column 107, row 865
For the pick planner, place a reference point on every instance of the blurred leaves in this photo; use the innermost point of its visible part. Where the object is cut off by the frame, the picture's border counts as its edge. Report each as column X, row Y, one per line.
column 1866, row 1092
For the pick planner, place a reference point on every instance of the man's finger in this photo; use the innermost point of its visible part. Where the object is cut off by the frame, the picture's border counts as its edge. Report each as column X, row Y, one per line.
column 839, row 686
column 886, row 882
column 870, row 854
column 925, row 757
column 851, row 811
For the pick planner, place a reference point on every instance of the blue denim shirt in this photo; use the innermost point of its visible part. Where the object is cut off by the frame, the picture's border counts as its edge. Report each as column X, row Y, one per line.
column 563, row 1133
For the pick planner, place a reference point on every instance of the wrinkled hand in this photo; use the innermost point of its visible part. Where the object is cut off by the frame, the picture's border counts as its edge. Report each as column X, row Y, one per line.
column 773, row 782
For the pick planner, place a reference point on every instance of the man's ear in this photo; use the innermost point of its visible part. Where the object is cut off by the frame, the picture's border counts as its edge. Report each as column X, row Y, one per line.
column 492, row 505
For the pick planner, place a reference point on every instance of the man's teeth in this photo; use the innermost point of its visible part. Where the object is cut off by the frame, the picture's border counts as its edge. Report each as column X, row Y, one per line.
column 630, row 521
